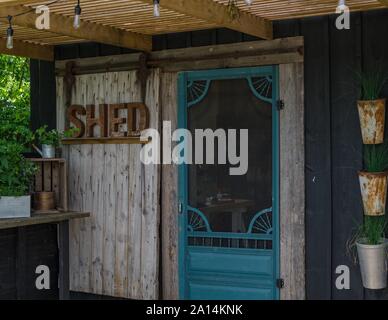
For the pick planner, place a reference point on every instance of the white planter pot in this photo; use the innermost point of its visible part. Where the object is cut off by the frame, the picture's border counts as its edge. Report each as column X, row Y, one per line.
column 15, row 207
column 373, row 264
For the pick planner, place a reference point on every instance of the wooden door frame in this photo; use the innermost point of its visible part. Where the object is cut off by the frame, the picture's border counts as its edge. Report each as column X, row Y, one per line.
column 292, row 184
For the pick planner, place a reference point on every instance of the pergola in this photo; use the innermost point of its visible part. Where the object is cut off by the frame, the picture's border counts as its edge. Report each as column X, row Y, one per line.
column 131, row 24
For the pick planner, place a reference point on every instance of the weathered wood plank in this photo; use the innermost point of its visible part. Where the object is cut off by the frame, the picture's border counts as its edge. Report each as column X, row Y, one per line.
column 63, row 246
column 151, row 203
column 26, row 49
column 116, row 140
column 292, row 191
column 169, row 195
column 41, row 219
column 86, row 93
column 217, row 13
column 286, row 50
column 116, row 250
column 63, row 25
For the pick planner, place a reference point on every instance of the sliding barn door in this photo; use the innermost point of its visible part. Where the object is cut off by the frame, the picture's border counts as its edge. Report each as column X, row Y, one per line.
column 115, row 251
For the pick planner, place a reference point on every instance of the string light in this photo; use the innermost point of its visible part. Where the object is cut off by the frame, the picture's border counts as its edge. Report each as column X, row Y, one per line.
column 77, row 16
column 9, row 43
column 341, row 5
column 156, row 8
column 248, row 2
column 10, row 31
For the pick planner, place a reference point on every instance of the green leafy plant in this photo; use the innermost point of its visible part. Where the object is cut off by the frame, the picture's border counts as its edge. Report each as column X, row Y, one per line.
column 370, row 232
column 376, row 158
column 15, row 100
column 371, row 83
column 14, row 124
column 53, row 137
column 16, row 172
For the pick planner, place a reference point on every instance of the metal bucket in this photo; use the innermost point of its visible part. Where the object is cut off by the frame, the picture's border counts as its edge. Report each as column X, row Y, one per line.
column 373, row 264
column 372, row 120
column 48, row 152
column 374, row 192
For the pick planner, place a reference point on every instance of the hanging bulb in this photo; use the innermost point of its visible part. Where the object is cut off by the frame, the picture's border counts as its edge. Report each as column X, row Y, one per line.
column 9, row 43
column 156, row 8
column 248, row 2
column 341, row 5
column 77, row 16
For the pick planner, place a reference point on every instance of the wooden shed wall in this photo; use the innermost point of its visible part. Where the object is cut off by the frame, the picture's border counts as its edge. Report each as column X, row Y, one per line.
column 116, row 251
column 85, row 166
column 333, row 141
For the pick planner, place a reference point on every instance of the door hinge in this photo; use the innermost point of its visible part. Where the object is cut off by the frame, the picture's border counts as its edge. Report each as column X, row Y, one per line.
column 280, row 104
column 180, row 207
column 280, row 283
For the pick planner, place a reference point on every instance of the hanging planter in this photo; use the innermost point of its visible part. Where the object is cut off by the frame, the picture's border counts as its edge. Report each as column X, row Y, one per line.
column 371, row 247
column 374, row 179
column 371, row 109
column 374, row 192
column 373, row 264
column 372, row 120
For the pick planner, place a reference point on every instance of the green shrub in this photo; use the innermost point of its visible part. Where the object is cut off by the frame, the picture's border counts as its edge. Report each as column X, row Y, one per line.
column 53, row 137
column 16, row 172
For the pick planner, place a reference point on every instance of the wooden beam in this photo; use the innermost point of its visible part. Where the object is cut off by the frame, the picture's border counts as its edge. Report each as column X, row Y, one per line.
column 214, row 12
column 29, row 50
column 252, row 53
column 7, row 3
column 384, row 2
column 88, row 31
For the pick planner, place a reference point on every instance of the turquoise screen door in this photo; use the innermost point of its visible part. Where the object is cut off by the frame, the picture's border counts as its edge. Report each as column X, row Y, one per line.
column 229, row 224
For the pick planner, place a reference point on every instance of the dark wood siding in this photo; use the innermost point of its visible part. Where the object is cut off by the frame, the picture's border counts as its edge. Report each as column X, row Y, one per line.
column 333, row 140
column 21, row 251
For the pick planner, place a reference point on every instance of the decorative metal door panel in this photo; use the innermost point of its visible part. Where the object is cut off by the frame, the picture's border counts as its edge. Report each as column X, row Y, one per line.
column 229, row 234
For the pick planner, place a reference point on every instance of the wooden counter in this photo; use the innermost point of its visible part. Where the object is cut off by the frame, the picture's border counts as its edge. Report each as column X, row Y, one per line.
column 41, row 218
column 23, row 270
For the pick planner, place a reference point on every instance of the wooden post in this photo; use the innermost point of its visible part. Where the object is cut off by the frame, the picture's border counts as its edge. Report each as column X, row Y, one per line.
column 21, row 263
column 63, row 243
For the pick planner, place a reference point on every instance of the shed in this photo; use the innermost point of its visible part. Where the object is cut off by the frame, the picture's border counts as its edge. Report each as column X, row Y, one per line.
column 280, row 69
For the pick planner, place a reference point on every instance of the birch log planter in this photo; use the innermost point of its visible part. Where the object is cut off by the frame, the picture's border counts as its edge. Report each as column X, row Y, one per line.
column 374, row 192
column 44, row 201
column 372, row 120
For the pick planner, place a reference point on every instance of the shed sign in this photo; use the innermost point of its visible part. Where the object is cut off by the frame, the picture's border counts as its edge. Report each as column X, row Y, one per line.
column 112, row 120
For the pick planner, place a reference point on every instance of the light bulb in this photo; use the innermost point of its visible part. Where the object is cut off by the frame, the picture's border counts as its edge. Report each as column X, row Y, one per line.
column 9, row 42
column 156, row 8
column 77, row 16
column 248, row 2
column 9, row 38
column 341, row 5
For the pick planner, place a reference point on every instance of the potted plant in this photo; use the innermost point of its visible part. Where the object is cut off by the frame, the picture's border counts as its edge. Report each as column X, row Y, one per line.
column 371, row 250
column 373, row 180
column 371, row 108
column 16, row 174
column 51, row 140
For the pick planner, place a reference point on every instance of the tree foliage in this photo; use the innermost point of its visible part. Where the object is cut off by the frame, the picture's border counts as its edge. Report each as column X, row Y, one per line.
column 15, row 133
column 15, row 99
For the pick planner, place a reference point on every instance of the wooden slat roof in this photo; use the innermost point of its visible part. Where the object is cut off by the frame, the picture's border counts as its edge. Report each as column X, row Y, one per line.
column 135, row 18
